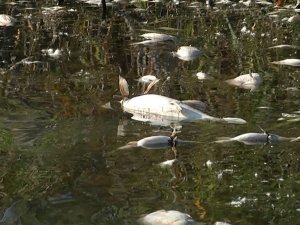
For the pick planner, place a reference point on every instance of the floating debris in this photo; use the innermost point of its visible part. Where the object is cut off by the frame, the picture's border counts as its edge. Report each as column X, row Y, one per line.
column 264, row 107
column 288, row 62
column 187, row 53
column 209, row 163
column 237, row 203
column 6, row 20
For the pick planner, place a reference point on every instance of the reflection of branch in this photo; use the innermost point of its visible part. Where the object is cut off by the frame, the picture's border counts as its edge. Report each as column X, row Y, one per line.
column 25, row 61
column 103, row 9
column 234, row 40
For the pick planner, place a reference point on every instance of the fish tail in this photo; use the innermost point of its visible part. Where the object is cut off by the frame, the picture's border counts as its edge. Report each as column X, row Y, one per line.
column 295, row 139
column 234, row 120
column 223, row 140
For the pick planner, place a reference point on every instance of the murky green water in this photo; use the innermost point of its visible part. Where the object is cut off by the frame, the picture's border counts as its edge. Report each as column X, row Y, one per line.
column 59, row 156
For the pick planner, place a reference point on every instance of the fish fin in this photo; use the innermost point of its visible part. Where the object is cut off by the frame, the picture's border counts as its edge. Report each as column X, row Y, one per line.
column 234, row 120
column 123, row 86
column 196, row 104
column 230, row 81
column 150, row 86
column 261, row 129
column 131, row 144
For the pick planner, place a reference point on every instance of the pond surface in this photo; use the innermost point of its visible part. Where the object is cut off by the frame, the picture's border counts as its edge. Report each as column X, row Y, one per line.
column 59, row 146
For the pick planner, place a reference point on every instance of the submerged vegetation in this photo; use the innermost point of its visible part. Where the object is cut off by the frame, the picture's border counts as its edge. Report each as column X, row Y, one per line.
column 59, row 67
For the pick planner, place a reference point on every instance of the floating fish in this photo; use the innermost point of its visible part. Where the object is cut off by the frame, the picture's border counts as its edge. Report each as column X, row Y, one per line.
column 170, row 217
column 147, row 79
column 290, row 117
column 288, row 62
column 294, row 19
column 167, row 164
column 13, row 213
column 53, row 9
column 159, row 37
column 187, row 53
column 152, row 38
column 221, row 223
column 246, row 81
column 26, row 61
column 255, row 138
column 285, row 46
column 203, row 76
column 6, row 20
column 156, row 108
column 53, row 54
column 152, row 142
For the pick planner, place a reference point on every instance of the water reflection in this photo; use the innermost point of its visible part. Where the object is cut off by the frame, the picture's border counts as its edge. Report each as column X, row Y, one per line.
column 58, row 144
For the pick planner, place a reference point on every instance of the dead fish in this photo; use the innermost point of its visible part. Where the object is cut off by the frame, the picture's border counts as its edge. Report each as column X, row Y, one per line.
column 13, row 213
column 294, row 19
column 203, row 76
column 152, row 38
column 147, row 79
column 285, row 46
column 26, row 61
column 221, row 223
column 151, row 106
column 255, row 138
column 6, row 20
column 288, row 62
column 187, row 53
column 159, row 37
column 53, row 54
column 246, row 81
column 61, row 198
column 152, row 142
column 167, row 217
column 167, row 164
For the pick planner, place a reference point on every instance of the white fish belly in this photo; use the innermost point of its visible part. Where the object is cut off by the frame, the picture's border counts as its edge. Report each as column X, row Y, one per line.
column 147, row 105
column 252, row 137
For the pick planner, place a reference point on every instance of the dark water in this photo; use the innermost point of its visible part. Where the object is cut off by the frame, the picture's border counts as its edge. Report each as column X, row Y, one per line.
column 59, row 156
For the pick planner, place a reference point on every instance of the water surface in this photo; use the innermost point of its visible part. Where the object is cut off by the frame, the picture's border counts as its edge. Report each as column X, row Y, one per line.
column 60, row 162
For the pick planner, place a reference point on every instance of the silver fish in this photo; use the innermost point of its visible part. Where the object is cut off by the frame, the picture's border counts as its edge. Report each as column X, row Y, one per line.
column 187, row 53
column 288, row 62
column 6, row 20
column 152, row 142
column 246, row 81
column 157, row 108
column 255, row 138
column 170, row 217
